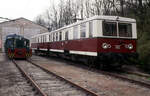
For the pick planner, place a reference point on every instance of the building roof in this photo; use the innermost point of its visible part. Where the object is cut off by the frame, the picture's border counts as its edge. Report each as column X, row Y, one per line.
column 21, row 18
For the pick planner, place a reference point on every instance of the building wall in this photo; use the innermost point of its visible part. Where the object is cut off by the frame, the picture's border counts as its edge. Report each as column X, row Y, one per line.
column 19, row 26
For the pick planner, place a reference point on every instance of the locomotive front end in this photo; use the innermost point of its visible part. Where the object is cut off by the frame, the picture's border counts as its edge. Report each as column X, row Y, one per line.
column 17, row 46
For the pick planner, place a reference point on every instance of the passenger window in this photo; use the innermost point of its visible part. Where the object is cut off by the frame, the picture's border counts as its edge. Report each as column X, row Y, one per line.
column 83, row 30
column 53, row 36
column 56, row 36
column 110, row 29
column 40, row 39
column 90, row 29
column 43, row 38
column 60, row 36
column 49, row 38
column 75, row 32
column 66, row 35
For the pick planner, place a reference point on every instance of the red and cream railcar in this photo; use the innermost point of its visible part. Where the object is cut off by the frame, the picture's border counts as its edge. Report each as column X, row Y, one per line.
column 100, row 38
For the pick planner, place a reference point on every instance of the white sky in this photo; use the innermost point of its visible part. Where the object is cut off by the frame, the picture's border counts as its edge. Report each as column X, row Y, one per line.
column 28, row 9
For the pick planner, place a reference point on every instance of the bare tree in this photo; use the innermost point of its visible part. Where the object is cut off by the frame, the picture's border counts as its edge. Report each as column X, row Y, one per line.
column 39, row 20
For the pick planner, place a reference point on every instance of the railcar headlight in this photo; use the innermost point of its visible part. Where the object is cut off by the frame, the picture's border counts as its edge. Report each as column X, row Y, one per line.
column 105, row 46
column 130, row 46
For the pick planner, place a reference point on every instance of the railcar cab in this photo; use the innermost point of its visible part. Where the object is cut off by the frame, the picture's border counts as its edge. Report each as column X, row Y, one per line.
column 119, row 28
column 119, row 32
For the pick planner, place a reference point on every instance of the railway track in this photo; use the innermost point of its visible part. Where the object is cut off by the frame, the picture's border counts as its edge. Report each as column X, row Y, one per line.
column 129, row 76
column 125, row 77
column 12, row 83
column 48, row 83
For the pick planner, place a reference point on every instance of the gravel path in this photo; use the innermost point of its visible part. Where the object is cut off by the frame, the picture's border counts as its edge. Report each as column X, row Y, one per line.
column 99, row 83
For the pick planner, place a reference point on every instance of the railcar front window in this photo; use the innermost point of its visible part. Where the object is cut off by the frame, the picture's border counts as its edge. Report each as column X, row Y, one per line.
column 125, row 30
column 110, row 29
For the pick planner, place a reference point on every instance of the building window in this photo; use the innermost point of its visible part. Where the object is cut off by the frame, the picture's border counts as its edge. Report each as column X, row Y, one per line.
column 91, row 29
column 83, row 30
column 60, row 36
column 75, row 32
column 66, row 35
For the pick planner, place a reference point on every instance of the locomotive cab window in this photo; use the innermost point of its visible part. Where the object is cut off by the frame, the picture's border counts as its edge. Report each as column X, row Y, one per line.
column 125, row 30
column 21, row 43
column 109, row 28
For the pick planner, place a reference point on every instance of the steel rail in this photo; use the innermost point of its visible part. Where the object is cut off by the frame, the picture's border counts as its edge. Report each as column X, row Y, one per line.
column 30, row 79
column 125, row 78
column 60, row 77
column 139, row 74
